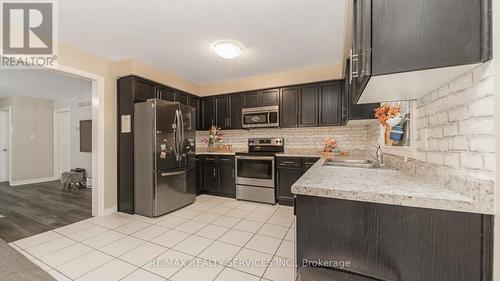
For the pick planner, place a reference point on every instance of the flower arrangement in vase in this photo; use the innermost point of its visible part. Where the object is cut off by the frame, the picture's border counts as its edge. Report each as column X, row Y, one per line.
column 330, row 144
column 390, row 116
column 214, row 137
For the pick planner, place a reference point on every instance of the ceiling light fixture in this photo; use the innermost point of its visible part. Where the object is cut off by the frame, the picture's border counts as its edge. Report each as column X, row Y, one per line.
column 228, row 49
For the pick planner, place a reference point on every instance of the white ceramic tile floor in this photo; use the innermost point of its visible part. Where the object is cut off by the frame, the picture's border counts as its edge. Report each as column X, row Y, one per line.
column 215, row 238
column 220, row 252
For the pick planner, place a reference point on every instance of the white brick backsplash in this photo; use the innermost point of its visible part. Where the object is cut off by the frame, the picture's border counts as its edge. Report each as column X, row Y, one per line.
column 455, row 123
column 450, row 130
column 434, row 106
column 452, row 160
column 348, row 136
column 482, row 107
column 490, row 162
column 458, row 113
column 437, row 132
column 443, row 118
column 471, row 160
column 444, row 91
column 477, row 126
column 459, row 143
column 483, row 72
column 482, row 144
column 463, row 82
column 443, row 145
column 435, row 158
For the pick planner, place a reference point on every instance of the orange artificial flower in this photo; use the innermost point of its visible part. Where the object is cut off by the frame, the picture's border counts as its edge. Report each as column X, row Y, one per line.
column 386, row 111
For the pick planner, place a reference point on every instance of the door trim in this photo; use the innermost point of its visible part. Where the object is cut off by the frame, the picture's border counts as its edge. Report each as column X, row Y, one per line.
column 57, row 167
column 98, row 105
column 8, row 109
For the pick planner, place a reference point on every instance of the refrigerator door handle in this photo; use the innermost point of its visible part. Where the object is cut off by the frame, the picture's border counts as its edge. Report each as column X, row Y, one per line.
column 181, row 140
column 167, row 174
column 175, row 126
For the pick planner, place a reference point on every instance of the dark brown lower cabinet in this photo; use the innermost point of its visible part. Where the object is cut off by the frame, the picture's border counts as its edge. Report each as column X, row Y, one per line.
column 227, row 184
column 210, row 183
column 199, row 174
column 286, row 178
column 389, row 242
column 217, row 176
column 288, row 171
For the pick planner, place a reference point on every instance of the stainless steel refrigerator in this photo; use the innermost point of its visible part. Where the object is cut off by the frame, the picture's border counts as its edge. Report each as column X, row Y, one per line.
column 164, row 157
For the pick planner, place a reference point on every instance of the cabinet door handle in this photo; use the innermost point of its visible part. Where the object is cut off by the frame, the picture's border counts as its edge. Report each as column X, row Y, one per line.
column 232, row 173
column 287, row 162
column 210, row 159
column 215, row 173
column 352, row 73
column 224, row 159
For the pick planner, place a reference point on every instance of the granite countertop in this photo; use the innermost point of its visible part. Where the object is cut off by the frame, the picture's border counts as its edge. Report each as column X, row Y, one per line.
column 204, row 151
column 292, row 152
column 300, row 152
column 384, row 185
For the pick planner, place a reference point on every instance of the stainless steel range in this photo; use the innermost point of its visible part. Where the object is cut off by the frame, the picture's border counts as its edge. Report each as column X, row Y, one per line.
column 255, row 170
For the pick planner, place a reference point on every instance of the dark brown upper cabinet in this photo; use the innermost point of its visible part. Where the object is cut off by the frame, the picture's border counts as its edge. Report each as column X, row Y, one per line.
column 261, row 98
column 352, row 111
column 251, row 99
column 308, row 105
column 331, row 108
column 222, row 109
column 143, row 90
column 195, row 102
column 289, row 107
column 208, row 113
column 165, row 93
column 182, row 98
column 269, row 97
column 236, row 104
column 393, row 38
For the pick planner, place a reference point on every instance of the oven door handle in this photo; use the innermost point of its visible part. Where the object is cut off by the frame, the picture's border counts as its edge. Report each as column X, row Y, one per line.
column 255, row 157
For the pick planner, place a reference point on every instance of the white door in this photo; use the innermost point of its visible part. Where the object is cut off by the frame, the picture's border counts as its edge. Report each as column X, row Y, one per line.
column 4, row 146
column 62, row 142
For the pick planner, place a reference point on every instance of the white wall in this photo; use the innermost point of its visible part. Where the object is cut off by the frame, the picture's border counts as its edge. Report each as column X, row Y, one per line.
column 80, row 109
column 32, row 142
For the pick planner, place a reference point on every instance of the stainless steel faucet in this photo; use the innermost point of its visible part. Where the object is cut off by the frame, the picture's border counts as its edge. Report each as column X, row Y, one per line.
column 355, row 148
column 378, row 153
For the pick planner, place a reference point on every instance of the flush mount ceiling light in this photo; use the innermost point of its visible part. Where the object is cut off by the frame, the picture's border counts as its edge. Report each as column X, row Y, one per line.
column 228, row 49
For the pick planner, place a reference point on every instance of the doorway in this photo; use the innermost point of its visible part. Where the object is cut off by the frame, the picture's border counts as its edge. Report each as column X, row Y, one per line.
column 5, row 144
column 62, row 141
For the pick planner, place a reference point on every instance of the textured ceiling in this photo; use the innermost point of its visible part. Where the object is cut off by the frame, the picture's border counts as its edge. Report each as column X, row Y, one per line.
column 177, row 35
column 44, row 84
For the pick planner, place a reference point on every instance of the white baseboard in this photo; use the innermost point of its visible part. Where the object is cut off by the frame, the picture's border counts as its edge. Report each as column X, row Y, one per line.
column 110, row 210
column 31, row 181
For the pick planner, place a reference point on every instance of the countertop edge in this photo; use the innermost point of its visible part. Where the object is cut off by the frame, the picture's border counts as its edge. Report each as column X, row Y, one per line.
column 468, row 205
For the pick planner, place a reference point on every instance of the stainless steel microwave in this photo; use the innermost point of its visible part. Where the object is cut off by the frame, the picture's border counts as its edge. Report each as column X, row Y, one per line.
column 260, row 117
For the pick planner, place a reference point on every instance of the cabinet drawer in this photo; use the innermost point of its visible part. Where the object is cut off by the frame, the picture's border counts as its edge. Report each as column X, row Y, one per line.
column 289, row 162
column 210, row 158
column 226, row 159
column 308, row 162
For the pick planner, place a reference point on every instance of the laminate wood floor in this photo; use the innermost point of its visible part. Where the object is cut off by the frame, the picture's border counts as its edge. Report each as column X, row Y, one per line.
column 35, row 208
